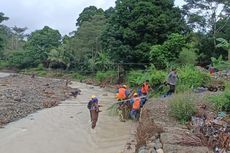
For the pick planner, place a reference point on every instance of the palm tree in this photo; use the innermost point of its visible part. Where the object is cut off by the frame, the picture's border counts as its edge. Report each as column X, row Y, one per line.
column 224, row 44
column 59, row 56
column 103, row 61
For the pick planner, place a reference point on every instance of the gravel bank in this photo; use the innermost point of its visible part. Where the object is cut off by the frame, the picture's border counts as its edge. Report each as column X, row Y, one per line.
column 21, row 95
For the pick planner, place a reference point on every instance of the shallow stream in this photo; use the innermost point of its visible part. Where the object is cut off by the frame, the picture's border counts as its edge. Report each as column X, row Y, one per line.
column 66, row 128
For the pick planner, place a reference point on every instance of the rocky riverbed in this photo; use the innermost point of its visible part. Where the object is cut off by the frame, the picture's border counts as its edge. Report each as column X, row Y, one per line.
column 21, row 95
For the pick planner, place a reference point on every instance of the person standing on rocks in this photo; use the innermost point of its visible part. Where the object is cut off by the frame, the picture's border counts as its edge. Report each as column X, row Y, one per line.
column 93, row 107
column 171, row 81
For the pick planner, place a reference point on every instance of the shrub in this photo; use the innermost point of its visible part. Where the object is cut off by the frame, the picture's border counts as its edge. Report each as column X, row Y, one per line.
column 227, row 85
column 182, row 106
column 22, row 59
column 161, row 55
column 187, row 56
column 219, row 63
column 77, row 76
column 137, row 77
column 42, row 73
column 190, row 76
column 108, row 76
column 3, row 64
column 221, row 101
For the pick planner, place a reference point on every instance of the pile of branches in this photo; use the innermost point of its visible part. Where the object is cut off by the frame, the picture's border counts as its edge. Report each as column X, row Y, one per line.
column 213, row 132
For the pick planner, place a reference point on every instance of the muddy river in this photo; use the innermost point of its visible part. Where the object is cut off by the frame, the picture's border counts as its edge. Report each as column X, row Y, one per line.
column 66, row 128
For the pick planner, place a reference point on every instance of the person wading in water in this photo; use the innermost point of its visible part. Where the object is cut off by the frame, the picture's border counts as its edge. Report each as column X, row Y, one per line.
column 93, row 107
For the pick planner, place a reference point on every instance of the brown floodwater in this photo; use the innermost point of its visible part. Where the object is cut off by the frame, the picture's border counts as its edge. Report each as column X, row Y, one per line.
column 66, row 128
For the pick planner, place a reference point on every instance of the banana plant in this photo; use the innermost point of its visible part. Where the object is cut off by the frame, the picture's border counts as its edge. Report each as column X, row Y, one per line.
column 223, row 43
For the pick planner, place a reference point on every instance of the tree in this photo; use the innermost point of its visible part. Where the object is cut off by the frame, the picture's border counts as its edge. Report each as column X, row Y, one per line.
column 109, row 12
column 2, row 18
column 42, row 41
column 188, row 55
column 17, row 39
column 87, row 14
column 135, row 26
column 103, row 62
column 86, row 44
column 169, row 51
column 59, row 57
column 223, row 27
column 224, row 44
column 203, row 15
column 20, row 32
column 22, row 59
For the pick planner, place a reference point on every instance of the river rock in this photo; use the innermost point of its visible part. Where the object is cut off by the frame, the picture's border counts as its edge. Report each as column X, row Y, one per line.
column 17, row 99
column 152, row 151
column 160, row 151
column 170, row 138
column 169, row 148
column 150, row 145
column 142, row 150
column 105, row 94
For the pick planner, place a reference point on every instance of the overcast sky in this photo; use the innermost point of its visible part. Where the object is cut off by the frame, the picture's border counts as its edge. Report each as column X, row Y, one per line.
column 57, row 14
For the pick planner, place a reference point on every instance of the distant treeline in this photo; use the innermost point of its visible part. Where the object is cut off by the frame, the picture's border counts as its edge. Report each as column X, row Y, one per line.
column 152, row 32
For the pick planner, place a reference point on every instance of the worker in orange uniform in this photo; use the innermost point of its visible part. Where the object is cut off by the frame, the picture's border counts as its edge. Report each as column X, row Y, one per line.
column 123, row 108
column 122, row 93
column 145, row 88
column 136, row 104
column 145, row 91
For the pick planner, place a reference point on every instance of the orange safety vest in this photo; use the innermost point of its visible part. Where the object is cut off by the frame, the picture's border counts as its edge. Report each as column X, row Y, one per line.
column 121, row 93
column 145, row 88
column 137, row 103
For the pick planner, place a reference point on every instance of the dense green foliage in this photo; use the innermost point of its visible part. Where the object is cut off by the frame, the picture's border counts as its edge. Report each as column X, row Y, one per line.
column 219, row 63
column 87, row 39
column 41, row 42
column 106, row 77
column 182, row 107
column 87, row 14
column 190, row 77
column 222, row 101
column 224, row 44
column 169, row 51
column 22, row 59
column 137, row 77
column 2, row 31
column 135, row 26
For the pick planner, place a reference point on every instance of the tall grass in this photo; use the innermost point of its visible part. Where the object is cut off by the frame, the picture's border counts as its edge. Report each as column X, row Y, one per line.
column 182, row 106
column 221, row 101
